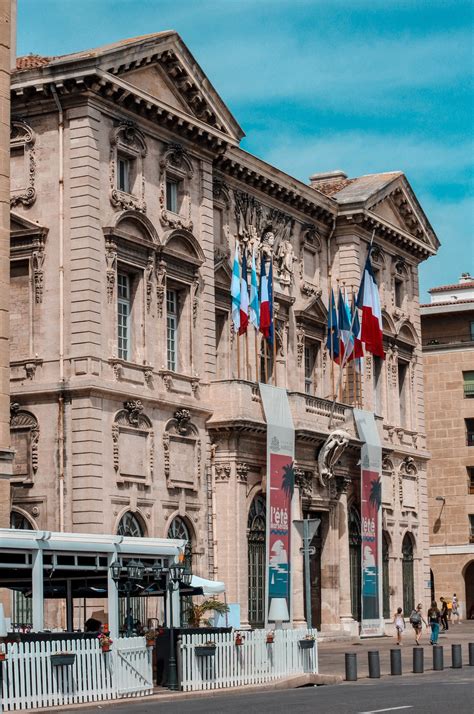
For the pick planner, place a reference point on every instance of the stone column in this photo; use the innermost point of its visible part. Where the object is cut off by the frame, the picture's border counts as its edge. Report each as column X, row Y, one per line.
column 6, row 454
column 297, row 579
column 348, row 623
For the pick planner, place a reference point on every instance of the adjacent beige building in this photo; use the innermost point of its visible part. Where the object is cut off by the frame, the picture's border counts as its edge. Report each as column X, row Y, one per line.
column 448, row 355
column 135, row 407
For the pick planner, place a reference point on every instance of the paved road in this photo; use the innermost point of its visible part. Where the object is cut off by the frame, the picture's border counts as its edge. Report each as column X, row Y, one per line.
column 431, row 693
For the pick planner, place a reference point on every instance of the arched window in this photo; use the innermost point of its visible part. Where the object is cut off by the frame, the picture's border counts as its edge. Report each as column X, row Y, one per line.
column 386, row 574
column 355, row 562
column 407, row 574
column 22, row 610
column 130, row 525
column 256, row 532
column 179, row 529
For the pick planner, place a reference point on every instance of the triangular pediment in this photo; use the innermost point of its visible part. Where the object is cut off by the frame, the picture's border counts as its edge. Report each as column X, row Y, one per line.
column 388, row 211
column 314, row 312
column 21, row 225
column 154, row 82
column 223, row 276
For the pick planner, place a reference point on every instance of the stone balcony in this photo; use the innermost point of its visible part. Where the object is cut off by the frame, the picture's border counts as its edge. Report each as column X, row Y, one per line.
column 239, row 401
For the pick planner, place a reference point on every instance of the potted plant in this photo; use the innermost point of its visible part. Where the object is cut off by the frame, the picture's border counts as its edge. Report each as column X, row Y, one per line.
column 307, row 643
column 208, row 649
column 3, row 656
column 105, row 641
column 270, row 637
column 196, row 612
column 239, row 639
column 59, row 659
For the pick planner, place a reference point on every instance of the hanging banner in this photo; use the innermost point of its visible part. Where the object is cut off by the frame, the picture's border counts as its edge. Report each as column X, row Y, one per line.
column 280, row 487
column 372, row 623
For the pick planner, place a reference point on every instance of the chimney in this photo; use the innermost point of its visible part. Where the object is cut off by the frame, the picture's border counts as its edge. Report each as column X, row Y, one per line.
column 328, row 178
column 465, row 278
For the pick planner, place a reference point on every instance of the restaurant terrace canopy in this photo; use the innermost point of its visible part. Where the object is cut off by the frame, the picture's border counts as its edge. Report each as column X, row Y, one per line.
column 68, row 565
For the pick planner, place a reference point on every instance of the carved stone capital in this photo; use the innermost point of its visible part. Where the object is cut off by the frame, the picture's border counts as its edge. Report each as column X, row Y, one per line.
column 241, row 471
column 223, row 471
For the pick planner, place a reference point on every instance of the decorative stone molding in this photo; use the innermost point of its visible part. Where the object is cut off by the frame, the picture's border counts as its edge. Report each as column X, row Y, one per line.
column 368, row 366
column 127, row 139
column 182, row 455
column 37, row 260
column 304, row 481
column 223, row 471
column 299, row 344
column 408, row 467
column 284, row 259
column 148, row 374
column 310, row 244
column 195, row 300
column 176, row 164
column 22, row 138
column 133, row 437
column 111, row 268
column 149, row 271
column 343, row 483
column 24, row 430
column 160, row 278
column 329, row 454
column 241, row 471
column 168, row 382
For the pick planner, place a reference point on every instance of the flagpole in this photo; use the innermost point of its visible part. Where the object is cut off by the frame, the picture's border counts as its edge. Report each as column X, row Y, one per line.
column 256, row 355
column 274, row 374
column 331, row 334
column 354, row 370
column 249, row 376
column 265, row 359
column 238, row 354
column 331, row 416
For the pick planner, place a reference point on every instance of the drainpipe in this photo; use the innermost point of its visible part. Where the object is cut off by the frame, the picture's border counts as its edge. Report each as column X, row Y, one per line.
column 61, row 305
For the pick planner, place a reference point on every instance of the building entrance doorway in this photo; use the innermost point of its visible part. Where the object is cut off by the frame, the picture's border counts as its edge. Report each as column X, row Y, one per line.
column 407, row 574
column 469, row 580
column 315, row 573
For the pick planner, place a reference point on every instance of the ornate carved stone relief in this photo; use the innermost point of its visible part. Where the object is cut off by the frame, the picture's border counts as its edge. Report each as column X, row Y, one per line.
column 127, row 139
column 22, row 142
column 111, row 268
column 160, row 286
column 37, row 260
column 182, row 452
column 149, row 271
column 310, row 249
column 133, row 444
column 176, row 164
column 241, row 471
column 222, row 471
column 24, row 430
column 300, row 344
column 329, row 454
column 304, row 481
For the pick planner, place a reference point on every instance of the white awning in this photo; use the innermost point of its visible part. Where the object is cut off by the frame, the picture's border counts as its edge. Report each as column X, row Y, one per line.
column 209, row 587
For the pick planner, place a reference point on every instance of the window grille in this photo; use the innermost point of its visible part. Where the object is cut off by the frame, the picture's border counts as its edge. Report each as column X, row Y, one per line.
column 123, row 321
column 256, row 561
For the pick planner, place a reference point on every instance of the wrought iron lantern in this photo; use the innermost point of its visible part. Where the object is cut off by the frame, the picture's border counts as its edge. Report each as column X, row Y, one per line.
column 116, row 570
column 135, row 570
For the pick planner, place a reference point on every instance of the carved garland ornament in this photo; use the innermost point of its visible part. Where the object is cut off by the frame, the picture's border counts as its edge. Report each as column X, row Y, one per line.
column 23, row 137
column 176, row 165
column 23, row 421
column 37, row 260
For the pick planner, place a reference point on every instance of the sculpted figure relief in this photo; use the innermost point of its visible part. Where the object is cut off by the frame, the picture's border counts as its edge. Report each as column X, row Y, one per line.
column 329, row 454
column 285, row 258
column 267, row 244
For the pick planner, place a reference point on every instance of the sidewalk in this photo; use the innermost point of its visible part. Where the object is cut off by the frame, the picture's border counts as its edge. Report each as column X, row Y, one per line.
column 331, row 654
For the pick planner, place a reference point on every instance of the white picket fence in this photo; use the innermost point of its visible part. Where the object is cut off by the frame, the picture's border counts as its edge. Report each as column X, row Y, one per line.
column 252, row 662
column 31, row 680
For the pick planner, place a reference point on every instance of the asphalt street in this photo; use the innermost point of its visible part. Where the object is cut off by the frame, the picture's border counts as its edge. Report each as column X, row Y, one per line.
column 447, row 692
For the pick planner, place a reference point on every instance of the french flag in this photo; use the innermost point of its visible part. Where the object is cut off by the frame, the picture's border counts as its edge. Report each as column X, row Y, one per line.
column 358, row 351
column 368, row 301
column 265, row 307
column 244, row 297
column 346, row 338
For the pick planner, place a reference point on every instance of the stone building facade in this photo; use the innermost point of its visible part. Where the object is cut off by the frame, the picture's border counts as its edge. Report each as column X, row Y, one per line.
column 448, row 354
column 135, row 407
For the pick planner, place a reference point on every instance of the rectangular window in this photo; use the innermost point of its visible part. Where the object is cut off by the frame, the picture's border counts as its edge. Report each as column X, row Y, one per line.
column 398, row 293
column 402, row 388
column 123, row 174
column 172, row 320
column 471, row 528
column 469, row 432
column 472, row 331
column 310, row 351
column 221, row 346
column 171, row 196
column 470, row 481
column 123, row 316
column 20, row 320
column 468, row 379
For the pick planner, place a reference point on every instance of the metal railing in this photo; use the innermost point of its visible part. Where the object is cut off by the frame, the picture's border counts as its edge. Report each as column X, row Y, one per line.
column 447, row 340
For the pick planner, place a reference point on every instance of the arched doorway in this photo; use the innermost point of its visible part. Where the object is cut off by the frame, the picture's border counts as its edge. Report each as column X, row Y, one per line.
column 469, row 580
column 22, row 607
column 256, row 539
column 386, row 574
column 179, row 529
column 355, row 562
column 407, row 574
column 131, row 526
column 432, row 586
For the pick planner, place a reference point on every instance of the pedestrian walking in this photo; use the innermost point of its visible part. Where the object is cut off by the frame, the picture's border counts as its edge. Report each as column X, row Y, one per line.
column 455, row 609
column 399, row 623
column 416, row 621
column 444, row 614
column 434, row 618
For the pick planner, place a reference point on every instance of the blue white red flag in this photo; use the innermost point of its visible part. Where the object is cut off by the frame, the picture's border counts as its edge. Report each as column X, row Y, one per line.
column 235, row 290
column 332, row 340
column 244, row 297
column 358, row 351
column 254, row 306
column 346, row 338
column 265, row 305
column 368, row 301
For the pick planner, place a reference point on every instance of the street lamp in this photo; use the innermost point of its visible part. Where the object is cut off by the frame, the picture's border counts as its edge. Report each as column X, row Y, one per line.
column 135, row 571
column 174, row 574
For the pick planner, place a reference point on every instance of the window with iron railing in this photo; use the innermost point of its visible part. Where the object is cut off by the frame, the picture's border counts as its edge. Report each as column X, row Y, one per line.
column 470, row 479
column 468, row 379
column 469, row 432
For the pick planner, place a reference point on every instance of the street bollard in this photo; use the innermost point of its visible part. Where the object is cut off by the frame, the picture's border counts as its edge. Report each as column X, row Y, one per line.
column 438, row 658
column 471, row 654
column 374, row 664
column 418, row 660
column 456, row 656
column 351, row 666
column 395, row 662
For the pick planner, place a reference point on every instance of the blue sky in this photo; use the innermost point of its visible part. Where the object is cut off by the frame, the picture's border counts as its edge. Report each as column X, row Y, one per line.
column 360, row 85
